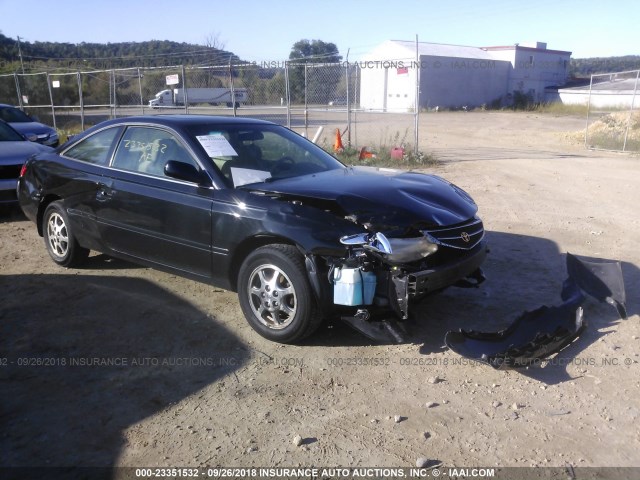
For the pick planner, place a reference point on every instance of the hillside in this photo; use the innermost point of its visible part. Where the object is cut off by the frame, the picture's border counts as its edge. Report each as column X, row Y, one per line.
column 52, row 56
column 585, row 67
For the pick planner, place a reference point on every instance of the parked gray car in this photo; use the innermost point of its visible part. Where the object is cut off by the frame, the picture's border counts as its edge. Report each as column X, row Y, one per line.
column 29, row 127
column 14, row 151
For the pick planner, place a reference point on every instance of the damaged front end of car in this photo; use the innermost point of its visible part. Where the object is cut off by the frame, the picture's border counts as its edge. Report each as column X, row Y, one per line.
column 376, row 240
column 380, row 276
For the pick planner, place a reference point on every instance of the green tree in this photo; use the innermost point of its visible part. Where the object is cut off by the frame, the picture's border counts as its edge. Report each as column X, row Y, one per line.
column 309, row 52
column 314, row 51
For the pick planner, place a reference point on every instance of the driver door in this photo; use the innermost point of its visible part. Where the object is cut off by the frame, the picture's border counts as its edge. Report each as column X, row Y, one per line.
column 149, row 216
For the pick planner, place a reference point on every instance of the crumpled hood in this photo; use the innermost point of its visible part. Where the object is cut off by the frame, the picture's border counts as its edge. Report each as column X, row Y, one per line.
column 384, row 199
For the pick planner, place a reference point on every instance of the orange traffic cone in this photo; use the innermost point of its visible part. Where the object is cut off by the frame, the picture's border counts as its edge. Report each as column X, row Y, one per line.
column 364, row 154
column 337, row 145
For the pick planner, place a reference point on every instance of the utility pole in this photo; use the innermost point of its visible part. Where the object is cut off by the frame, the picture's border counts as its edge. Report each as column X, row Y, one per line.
column 20, row 55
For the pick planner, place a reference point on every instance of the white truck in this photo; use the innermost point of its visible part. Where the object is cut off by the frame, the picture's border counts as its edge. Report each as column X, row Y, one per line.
column 212, row 96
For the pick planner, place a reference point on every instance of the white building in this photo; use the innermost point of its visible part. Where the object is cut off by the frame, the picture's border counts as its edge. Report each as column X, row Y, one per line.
column 615, row 93
column 454, row 76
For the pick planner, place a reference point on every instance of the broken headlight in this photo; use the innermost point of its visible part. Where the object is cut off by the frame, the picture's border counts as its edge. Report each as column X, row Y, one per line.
column 405, row 250
column 394, row 250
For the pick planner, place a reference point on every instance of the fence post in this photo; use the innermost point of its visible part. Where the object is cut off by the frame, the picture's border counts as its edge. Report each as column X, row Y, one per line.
column 306, row 104
column 233, row 92
column 586, row 127
column 114, row 96
column 184, row 88
column 348, row 103
column 18, row 92
column 81, row 101
column 633, row 100
column 416, row 121
column 140, row 89
column 355, row 112
column 53, row 108
column 287, row 93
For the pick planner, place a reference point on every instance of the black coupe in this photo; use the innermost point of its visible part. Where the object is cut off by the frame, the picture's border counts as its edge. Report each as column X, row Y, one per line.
column 253, row 207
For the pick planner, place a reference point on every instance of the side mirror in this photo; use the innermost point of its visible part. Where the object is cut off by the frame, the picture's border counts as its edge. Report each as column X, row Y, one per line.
column 185, row 171
column 32, row 137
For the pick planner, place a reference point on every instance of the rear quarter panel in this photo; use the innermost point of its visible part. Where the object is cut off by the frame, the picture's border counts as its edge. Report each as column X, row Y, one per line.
column 49, row 178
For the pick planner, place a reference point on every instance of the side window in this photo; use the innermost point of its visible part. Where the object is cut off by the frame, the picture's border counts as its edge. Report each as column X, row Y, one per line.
column 94, row 149
column 147, row 150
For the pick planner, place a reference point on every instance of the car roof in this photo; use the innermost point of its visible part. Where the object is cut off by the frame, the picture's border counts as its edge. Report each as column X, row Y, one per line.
column 176, row 122
column 183, row 120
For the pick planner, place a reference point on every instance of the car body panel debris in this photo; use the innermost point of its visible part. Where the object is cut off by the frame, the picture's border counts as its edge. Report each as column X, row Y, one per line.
column 536, row 335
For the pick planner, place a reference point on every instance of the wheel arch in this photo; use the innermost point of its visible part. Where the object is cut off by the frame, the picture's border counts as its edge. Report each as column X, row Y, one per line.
column 248, row 245
column 46, row 201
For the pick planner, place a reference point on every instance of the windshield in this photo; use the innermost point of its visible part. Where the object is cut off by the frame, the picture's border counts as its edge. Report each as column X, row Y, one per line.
column 8, row 134
column 257, row 153
column 10, row 114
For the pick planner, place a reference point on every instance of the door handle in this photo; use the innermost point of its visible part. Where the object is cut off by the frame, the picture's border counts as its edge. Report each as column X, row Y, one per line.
column 105, row 192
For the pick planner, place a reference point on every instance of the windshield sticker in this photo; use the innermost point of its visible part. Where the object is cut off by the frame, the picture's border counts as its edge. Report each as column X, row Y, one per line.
column 244, row 176
column 216, row 146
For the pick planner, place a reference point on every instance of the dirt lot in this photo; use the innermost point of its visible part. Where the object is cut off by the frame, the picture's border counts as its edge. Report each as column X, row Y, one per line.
column 166, row 372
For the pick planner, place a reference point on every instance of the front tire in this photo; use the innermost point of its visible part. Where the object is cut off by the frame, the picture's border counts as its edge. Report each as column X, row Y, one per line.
column 61, row 244
column 275, row 294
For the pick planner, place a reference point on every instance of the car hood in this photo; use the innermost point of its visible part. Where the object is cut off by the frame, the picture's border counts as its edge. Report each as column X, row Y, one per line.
column 32, row 127
column 16, row 153
column 380, row 199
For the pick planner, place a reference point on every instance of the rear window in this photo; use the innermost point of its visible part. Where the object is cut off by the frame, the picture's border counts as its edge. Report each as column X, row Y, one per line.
column 10, row 114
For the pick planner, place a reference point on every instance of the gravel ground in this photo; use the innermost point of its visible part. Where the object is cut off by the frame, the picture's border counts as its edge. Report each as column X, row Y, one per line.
column 115, row 364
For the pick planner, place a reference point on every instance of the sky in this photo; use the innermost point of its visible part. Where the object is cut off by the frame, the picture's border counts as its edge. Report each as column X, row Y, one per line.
column 265, row 31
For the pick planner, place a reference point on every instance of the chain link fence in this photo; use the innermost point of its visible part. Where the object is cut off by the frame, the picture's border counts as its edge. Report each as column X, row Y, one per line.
column 613, row 116
column 325, row 104
column 319, row 101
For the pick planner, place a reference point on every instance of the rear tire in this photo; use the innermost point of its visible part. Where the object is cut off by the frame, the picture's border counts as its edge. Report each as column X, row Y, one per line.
column 275, row 295
column 61, row 244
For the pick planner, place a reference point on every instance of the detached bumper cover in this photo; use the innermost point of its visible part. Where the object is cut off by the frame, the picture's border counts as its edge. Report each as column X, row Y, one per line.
column 532, row 337
column 434, row 279
column 538, row 334
column 601, row 279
